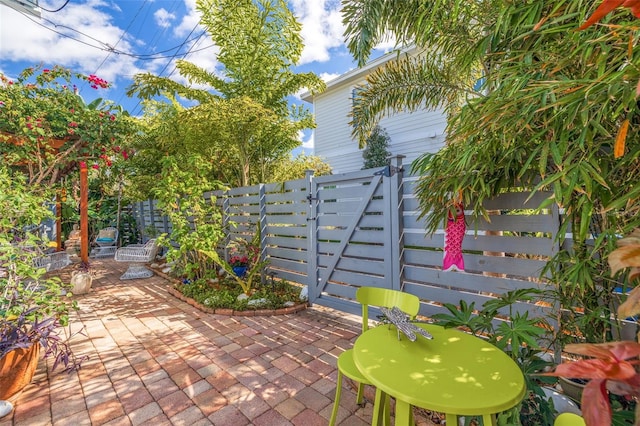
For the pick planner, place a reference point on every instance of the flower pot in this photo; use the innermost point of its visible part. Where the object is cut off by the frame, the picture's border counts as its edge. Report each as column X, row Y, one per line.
column 81, row 282
column 240, row 271
column 572, row 388
column 17, row 369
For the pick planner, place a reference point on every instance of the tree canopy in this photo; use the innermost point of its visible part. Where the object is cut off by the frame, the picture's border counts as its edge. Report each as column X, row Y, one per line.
column 533, row 103
column 46, row 128
column 242, row 117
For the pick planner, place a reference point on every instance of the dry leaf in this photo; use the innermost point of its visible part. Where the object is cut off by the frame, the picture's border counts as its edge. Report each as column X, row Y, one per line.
column 618, row 149
column 631, row 306
column 624, row 257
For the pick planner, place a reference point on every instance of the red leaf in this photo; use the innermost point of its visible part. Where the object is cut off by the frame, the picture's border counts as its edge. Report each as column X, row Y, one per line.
column 596, row 369
column 610, row 350
column 595, row 403
column 605, row 7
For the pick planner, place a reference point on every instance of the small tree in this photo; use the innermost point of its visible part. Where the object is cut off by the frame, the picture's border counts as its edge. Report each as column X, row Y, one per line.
column 375, row 153
column 196, row 220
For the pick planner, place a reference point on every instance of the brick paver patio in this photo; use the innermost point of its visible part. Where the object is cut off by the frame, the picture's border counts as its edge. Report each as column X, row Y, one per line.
column 155, row 360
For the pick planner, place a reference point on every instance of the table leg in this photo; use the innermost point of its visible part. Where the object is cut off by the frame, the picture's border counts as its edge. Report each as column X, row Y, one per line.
column 452, row 419
column 489, row 419
column 404, row 413
column 381, row 411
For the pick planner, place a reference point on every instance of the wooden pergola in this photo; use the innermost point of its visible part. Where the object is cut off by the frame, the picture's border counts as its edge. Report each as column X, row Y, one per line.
column 55, row 145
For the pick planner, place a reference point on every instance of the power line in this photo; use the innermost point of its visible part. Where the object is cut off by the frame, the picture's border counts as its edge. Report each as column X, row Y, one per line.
column 52, row 11
column 107, row 48
column 174, row 56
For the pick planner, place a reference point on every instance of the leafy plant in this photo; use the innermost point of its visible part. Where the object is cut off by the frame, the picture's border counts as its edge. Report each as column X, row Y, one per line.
column 47, row 129
column 238, row 260
column 33, row 309
column 196, row 221
column 612, row 366
column 376, row 153
column 243, row 118
column 249, row 257
column 517, row 335
column 223, row 293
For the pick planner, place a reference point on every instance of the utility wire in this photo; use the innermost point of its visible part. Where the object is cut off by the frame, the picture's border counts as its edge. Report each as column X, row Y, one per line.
column 105, row 46
column 136, row 107
column 119, row 40
column 51, row 11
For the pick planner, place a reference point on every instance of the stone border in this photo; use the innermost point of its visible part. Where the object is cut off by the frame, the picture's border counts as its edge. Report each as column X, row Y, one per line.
column 225, row 311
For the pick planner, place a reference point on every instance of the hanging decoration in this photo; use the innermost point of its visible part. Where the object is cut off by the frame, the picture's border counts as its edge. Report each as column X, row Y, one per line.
column 454, row 234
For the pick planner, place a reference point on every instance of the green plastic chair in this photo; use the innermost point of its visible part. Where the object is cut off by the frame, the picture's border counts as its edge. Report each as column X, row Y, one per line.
column 370, row 296
column 569, row 419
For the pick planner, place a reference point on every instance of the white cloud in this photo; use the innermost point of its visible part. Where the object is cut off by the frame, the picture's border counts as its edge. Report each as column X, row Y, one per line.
column 322, row 28
column 308, row 141
column 326, row 76
column 80, row 37
column 164, row 18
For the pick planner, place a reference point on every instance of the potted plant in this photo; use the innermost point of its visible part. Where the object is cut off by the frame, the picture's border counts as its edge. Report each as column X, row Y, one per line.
column 239, row 264
column 33, row 308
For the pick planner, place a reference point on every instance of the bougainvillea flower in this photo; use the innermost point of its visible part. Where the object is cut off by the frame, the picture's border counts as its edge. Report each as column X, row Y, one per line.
column 610, row 368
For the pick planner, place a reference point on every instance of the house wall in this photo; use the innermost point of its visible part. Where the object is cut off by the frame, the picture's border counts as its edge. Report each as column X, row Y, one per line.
column 412, row 133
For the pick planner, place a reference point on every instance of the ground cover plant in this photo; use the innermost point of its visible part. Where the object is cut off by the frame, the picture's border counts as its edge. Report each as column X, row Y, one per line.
column 223, row 293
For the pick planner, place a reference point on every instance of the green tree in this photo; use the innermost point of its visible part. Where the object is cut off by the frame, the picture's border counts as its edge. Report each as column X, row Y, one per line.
column 375, row 153
column 242, row 113
column 551, row 104
column 290, row 168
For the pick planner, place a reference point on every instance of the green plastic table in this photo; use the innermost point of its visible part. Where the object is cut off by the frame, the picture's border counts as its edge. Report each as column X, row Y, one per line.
column 454, row 373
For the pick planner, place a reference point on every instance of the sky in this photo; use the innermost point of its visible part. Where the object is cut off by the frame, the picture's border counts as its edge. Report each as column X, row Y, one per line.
column 117, row 39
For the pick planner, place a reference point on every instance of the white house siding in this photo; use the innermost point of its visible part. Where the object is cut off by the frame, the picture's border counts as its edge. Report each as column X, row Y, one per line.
column 412, row 133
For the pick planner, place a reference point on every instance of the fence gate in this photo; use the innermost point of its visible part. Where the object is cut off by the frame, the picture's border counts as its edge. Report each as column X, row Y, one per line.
column 355, row 233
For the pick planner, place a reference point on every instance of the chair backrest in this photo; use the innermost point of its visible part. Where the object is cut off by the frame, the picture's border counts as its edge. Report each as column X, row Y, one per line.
column 152, row 246
column 569, row 419
column 387, row 298
column 108, row 231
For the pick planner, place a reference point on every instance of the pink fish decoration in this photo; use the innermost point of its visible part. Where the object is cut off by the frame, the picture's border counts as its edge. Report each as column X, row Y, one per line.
column 453, row 236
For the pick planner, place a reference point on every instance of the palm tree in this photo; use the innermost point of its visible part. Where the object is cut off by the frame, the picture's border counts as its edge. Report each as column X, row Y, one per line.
column 445, row 69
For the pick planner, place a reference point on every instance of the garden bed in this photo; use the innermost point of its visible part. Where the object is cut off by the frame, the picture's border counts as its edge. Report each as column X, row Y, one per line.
column 197, row 296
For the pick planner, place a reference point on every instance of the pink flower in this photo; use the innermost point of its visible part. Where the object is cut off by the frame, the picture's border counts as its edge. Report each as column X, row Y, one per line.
column 95, row 166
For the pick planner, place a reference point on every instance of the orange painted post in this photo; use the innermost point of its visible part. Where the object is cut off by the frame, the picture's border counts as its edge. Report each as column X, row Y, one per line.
column 84, row 216
column 58, row 221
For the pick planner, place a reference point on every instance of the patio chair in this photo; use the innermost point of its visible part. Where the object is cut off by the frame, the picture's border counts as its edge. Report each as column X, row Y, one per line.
column 52, row 261
column 137, row 255
column 105, row 242
column 370, row 296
